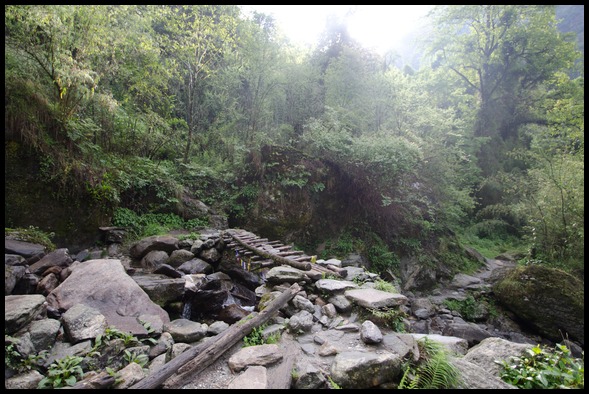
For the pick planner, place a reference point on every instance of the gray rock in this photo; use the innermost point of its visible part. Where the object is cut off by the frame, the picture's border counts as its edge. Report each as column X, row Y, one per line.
column 20, row 310
column 82, row 322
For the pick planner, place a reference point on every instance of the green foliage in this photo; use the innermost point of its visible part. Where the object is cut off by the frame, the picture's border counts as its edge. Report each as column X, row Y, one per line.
column 317, row 187
column 149, row 224
column 381, row 258
column 12, row 357
column 297, row 176
column 542, row 368
column 493, row 243
column 115, row 375
column 383, row 285
column 332, row 384
column 150, row 331
column 390, row 317
column 63, row 372
column 132, row 357
column 103, row 191
column 409, row 380
column 471, row 309
column 114, row 333
column 256, row 337
column 14, row 360
column 191, row 236
column 243, row 199
column 340, row 247
column 31, row 234
column 433, row 371
column 116, row 119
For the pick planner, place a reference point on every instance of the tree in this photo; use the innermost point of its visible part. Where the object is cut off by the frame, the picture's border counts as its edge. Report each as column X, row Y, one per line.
column 261, row 61
column 58, row 41
column 550, row 195
column 196, row 37
column 501, row 53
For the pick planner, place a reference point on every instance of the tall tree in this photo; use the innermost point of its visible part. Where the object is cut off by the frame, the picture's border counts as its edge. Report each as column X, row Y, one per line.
column 502, row 53
column 58, row 41
column 260, row 64
column 196, row 37
column 550, row 195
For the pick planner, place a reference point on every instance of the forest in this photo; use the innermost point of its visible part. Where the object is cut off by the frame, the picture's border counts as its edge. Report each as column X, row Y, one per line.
column 127, row 107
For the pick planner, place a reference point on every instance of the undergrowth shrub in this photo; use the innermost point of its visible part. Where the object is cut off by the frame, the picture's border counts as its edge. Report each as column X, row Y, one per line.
column 149, row 224
column 31, row 234
column 63, row 372
column 542, row 368
column 471, row 308
column 256, row 337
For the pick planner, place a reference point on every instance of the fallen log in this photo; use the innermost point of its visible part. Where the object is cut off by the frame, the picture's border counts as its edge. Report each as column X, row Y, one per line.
column 196, row 359
column 305, row 266
column 291, row 253
column 330, row 270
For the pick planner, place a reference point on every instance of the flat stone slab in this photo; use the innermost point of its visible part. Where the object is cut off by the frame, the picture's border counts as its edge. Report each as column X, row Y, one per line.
column 333, row 286
column 375, row 299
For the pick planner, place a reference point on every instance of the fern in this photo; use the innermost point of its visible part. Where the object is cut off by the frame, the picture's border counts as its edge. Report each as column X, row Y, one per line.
column 413, row 379
column 435, row 372
column 438, row 373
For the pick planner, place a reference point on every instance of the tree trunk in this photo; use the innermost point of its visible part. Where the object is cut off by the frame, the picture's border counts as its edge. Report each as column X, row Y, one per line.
column 196, row 359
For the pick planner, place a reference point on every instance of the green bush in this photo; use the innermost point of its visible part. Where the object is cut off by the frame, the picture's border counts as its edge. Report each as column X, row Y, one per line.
column 63, row 372
column 383, row 285
column 469, row 308
column 256, row 337
column 392, row 318
column 541, row 368
column 140, row 226
column 14, row 360
column 132, row 357
column 381, row 258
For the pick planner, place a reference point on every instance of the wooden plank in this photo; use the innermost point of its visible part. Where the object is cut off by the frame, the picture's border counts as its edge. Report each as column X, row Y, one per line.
column 282, row 260
column 302, row 258
column 259, row 241
column 291, row 253
column 330, row 270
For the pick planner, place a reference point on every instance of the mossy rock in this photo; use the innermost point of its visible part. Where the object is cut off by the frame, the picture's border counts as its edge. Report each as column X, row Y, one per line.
column 548, row 300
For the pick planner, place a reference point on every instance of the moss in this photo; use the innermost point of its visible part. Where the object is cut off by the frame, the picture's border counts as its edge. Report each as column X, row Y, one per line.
column 549, row 300
column 524, row 281
column 31, row 201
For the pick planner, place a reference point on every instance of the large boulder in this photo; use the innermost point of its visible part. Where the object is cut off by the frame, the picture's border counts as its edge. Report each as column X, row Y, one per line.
column 549, row 300
column 105, row 286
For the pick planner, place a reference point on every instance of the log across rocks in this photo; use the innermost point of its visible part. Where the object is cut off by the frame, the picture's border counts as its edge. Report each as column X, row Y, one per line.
column 302, row 265
column 196, row 359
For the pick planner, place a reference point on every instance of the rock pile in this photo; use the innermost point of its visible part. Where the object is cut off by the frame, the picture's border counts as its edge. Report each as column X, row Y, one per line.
column 170, row 294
